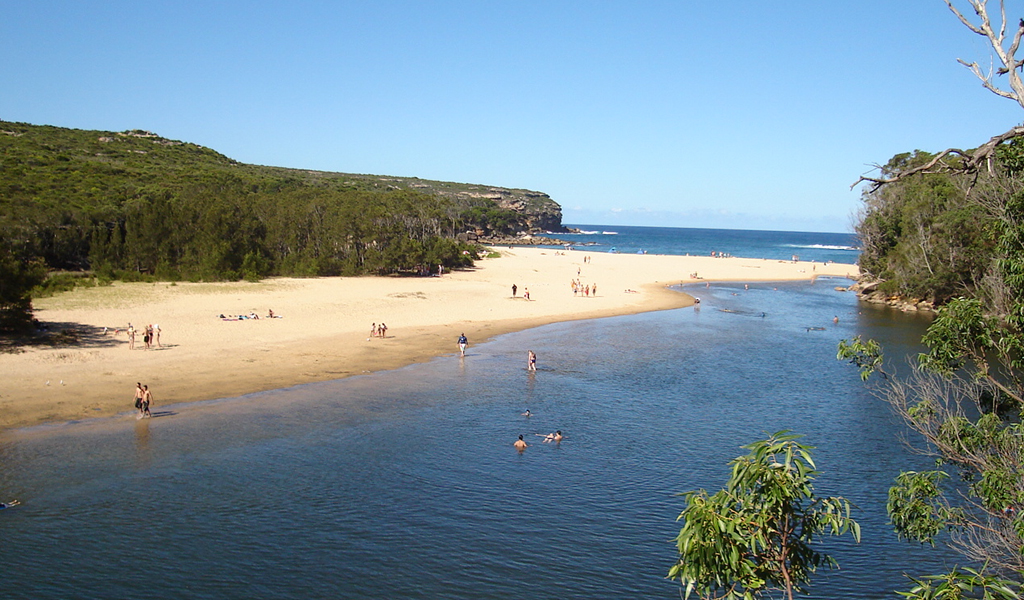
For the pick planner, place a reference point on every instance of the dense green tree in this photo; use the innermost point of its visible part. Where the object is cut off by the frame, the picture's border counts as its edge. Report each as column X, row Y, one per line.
column 965, row 394
column 18, row 275
column 134, row 205
column 923, row 237
column 759, row 533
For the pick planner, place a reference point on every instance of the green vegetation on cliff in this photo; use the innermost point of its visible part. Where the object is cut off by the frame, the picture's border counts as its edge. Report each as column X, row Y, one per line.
column 922, row 237
column 133, row 204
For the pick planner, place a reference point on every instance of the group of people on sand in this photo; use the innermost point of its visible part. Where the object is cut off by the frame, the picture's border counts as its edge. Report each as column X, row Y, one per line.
column 150, row 335
column 251, row 316
column 585, row 290
column 525, row 292
column 378, row 330
column 143, row 400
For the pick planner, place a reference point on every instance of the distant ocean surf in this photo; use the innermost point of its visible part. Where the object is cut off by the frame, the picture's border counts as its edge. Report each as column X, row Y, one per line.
column 777, row 245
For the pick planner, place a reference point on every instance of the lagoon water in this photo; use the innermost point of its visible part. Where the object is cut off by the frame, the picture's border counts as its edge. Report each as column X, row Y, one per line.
column 405, row 484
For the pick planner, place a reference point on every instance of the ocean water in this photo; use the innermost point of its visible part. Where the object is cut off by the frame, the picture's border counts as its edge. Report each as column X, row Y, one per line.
column 405, row 484
column 775, row 245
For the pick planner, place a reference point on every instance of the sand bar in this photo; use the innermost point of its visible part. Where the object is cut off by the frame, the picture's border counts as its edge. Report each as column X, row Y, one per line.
column 325, row 324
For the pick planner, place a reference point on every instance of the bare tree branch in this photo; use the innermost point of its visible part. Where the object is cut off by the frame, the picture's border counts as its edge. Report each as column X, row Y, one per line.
column 997, row 41
column 928, row 403
column 974, row 160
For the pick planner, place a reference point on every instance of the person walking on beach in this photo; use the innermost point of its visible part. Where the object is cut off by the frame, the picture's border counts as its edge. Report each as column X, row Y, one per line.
column 526, row 293
column 139, row 395
column 383, row 329
column 462, row 344
column 147, row 399
column 531, row 361
column 520, row 444
column 514, row 288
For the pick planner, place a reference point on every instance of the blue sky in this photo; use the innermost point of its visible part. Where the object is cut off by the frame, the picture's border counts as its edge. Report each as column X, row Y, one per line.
column 741, row 114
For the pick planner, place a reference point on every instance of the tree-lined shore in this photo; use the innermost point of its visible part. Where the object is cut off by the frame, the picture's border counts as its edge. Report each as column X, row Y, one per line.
column 134, row 205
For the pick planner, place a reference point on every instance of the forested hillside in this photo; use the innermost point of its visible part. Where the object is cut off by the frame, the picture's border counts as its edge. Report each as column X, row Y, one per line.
column 938, row 236
column 133, row 204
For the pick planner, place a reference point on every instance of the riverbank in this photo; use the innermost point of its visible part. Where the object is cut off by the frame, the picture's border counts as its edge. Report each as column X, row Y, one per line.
column 324, row 324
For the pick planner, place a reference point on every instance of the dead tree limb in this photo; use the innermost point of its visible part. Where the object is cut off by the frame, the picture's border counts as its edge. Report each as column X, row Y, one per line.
column 973, row 160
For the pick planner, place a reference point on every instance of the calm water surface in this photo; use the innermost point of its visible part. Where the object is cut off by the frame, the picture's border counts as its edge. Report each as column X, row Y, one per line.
column 405, row 484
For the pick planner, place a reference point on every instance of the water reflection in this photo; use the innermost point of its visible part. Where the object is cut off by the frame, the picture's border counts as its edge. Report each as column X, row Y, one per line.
column 143, row 452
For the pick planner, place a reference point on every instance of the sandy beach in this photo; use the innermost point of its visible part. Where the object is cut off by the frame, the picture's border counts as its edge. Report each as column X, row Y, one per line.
column 324, row 325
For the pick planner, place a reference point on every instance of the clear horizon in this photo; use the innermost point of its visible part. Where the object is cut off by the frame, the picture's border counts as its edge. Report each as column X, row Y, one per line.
column 605, row 226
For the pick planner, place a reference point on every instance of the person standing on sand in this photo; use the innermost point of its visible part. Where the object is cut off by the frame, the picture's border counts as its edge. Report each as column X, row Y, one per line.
column 520, row 444
column 526, row 293
column 131, row 337
column 514, row 288
column 531, row 361
column 462, row 344
column 156, row 334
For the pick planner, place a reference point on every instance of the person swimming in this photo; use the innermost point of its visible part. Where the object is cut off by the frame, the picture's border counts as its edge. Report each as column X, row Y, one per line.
column 551, row 437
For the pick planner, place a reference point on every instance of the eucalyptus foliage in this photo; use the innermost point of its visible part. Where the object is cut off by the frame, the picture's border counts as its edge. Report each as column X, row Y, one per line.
column 133, row 205
column 960, row 584
column 759, row 533
column 923, row 237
